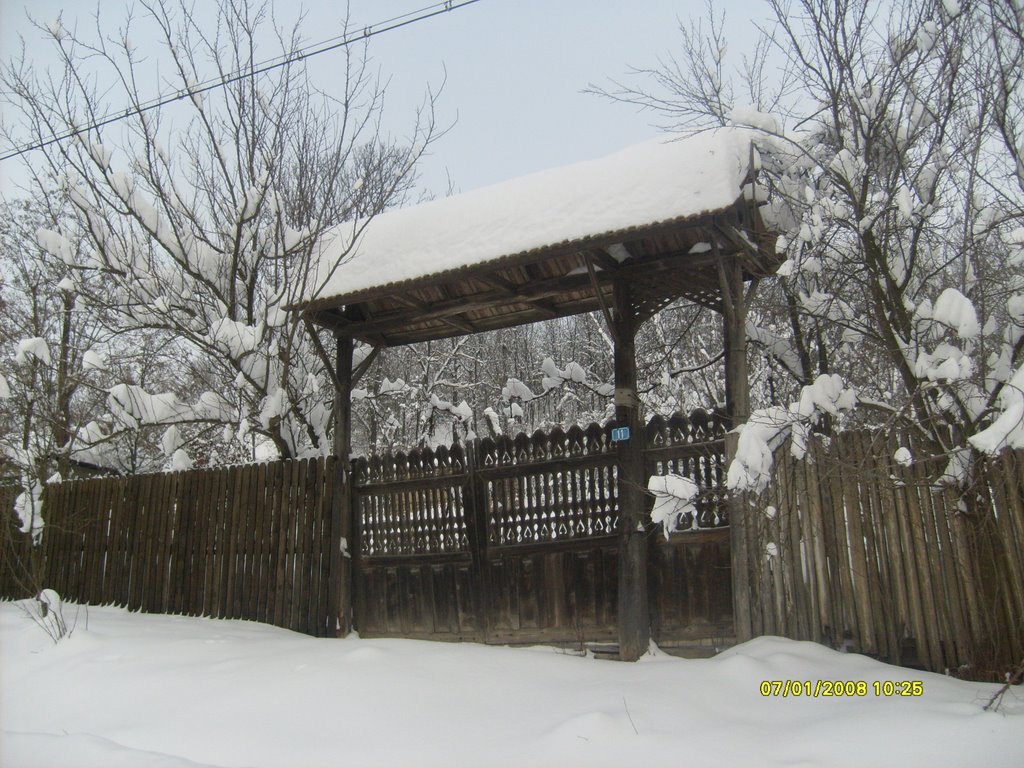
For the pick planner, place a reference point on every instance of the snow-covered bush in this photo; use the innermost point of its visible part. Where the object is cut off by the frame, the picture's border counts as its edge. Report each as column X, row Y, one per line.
column 46, row 609
column 170, row 231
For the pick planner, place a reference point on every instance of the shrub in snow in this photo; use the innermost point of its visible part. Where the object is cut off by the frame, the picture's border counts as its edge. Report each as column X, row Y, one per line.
column 903, row 457
column 46, row 609
column 28, row 507
column 445, row 430
column 35, row 347
column 515, row 394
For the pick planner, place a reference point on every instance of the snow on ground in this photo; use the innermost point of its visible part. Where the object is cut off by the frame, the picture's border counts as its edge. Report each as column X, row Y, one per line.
column 169, row 691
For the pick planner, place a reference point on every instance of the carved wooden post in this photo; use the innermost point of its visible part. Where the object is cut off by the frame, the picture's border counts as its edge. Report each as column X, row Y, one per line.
column 737, row 404
column 341, row 593
column 634, row 618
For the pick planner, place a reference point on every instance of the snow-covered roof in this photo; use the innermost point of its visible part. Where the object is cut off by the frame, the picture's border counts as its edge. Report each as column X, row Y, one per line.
column 670, row 178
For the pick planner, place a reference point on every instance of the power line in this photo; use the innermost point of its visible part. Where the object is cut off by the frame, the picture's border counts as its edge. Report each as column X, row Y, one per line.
column 331, row 44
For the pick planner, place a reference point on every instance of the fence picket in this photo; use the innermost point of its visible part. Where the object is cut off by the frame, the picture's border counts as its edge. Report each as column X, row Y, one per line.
column 850, row 464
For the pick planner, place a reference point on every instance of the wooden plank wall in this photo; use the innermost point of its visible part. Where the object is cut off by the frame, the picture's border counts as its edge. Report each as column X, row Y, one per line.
column 19, row 561
column 689, row 573
column 852, row 548
column 415, row 573
column 244, row 542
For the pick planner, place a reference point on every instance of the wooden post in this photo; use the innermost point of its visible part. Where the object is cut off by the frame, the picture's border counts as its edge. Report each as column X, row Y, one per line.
column 737, row 404
column 634, row 618
column 340, row 587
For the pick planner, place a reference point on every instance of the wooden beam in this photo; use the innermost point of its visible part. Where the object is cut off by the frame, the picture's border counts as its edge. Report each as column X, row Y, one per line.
column 529, row 293
column 757, row 262
column 583, row 245
column 511, row 290
column 340, row 585
column 604, row 260
column 737, row 405
column 336, row 324
column 633, row 614
column 422, row 308
column 318, row 347
column 608, row 319
column 507, row 320
column 702, row 295
column 364, row 366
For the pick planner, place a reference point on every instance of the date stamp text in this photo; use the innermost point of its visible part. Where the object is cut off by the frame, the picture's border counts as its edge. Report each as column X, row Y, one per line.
column 817, row 689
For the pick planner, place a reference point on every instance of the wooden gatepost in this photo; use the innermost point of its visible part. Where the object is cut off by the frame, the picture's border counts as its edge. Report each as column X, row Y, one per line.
column 625, row 235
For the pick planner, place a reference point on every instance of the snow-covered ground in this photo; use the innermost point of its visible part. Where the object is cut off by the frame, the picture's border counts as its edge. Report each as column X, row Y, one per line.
column 142, row 691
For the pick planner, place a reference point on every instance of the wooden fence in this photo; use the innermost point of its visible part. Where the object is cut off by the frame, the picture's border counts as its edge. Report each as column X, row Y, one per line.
column 852, row 548
column 507, row 540
column 244, row 542
column 514, row 540
column 20, row 562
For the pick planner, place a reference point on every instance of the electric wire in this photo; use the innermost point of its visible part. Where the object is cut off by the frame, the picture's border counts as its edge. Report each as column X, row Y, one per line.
column 324, row 46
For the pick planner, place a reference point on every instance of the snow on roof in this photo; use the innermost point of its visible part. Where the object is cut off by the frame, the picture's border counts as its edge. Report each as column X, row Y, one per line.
column 658, row 181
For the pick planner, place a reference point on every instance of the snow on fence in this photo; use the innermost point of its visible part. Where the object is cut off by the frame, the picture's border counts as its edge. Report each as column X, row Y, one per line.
column 858, row 546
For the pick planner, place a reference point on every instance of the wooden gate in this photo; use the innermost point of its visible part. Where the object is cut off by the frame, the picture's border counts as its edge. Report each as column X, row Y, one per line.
column 516, row 540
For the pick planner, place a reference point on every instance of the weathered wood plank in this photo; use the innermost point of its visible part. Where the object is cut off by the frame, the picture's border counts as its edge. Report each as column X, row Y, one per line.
column 86, row 523
column 315, row 546
column 200, row 597
column 137, row 541
column 250, row 582
column 854, row 468
column 216, row 517
column 941, row 623
column 153, row 587
column 265, row 525
column 289, row 476
column 917, row 493
column 1006, row 476
column 116, row 576
column 180, row 543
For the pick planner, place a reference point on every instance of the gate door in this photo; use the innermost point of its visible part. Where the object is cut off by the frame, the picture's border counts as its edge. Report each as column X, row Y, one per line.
column 415, row 570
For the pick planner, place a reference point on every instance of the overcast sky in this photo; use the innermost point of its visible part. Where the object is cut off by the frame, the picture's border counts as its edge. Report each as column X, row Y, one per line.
column 515, row 72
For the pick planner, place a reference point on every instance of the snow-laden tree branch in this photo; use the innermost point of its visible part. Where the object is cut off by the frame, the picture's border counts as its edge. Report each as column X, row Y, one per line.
column 203, row 219
column 889, row 141
column 767, row 428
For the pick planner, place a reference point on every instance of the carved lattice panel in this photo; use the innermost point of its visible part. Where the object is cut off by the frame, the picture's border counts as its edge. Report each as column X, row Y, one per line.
column 413, row 521
column 566, row 502
column 412, row 503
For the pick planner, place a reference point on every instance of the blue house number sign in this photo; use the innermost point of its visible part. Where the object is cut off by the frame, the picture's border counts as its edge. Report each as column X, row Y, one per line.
column 620, row 434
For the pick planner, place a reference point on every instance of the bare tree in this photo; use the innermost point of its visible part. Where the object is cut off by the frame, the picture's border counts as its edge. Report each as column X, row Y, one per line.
column 203, row 217
column 881, row 147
